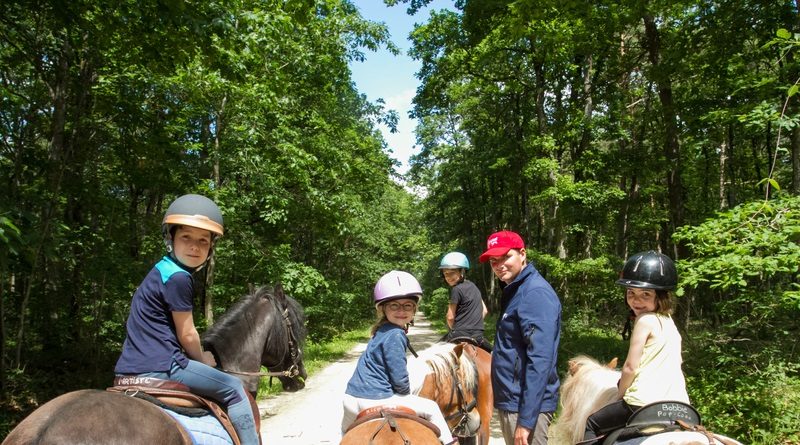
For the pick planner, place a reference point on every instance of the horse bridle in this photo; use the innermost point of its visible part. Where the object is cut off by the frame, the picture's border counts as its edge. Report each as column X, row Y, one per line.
column 294, row 350
column 457, row 390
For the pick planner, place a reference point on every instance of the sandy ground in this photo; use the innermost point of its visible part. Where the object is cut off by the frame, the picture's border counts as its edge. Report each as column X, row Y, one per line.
column 313, row 415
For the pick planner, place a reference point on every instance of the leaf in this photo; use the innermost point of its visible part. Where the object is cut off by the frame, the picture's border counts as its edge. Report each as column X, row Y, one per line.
column 783, row 34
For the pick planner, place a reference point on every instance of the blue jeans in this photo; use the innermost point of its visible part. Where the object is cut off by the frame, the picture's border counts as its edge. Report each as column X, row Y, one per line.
column 223, row 388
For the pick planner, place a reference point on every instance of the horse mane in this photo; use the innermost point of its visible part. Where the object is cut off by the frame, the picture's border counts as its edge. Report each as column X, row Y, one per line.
column 242, row 309
column 439, row 359
column 588, row 387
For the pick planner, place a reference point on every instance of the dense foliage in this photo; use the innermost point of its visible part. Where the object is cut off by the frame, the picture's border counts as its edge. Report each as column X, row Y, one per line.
column 601, row 129
column 594, row 129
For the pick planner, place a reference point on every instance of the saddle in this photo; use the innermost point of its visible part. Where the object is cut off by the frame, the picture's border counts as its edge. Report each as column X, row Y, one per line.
column 655, row 418
column 174, row 396
column 477, row 342
column 391, row 412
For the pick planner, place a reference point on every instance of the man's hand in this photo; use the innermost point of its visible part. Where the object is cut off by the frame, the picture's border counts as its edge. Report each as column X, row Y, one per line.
column 521, row 435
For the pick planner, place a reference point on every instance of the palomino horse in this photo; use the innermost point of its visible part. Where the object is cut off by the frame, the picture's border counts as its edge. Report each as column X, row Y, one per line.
column 590, row 386
column 265, row 329
column 458, row 378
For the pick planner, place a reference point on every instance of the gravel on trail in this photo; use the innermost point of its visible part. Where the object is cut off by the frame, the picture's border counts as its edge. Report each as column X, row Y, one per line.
column 313, row 415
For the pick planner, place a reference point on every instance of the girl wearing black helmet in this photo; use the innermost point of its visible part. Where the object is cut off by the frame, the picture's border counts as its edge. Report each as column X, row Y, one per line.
column 161, row 339
column 652, row 370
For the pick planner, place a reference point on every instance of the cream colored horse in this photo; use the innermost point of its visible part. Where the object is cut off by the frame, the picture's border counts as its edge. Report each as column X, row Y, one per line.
column 589, row 387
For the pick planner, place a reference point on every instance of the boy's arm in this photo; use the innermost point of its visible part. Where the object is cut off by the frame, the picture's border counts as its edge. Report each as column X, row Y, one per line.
column 190, row 339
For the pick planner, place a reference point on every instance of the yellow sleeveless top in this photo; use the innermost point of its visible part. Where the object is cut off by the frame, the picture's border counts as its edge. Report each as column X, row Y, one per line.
column 659, row 376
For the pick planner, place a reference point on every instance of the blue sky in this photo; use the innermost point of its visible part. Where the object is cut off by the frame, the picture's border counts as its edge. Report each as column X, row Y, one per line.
column 391, row 77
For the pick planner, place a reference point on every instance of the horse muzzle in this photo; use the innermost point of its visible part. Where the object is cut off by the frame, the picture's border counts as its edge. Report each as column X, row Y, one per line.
column 469, row 425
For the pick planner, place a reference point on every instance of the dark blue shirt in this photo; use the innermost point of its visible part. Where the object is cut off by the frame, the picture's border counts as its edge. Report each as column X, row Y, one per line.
column 382, row 369
column 524, row 377
column 151, row 342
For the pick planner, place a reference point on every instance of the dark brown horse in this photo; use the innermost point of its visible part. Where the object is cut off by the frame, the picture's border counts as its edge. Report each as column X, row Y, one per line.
column 264, row 329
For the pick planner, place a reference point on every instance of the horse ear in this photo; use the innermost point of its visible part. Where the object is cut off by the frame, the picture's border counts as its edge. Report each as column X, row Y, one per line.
column 458, row 349
column 470, row 349
column 572, row 365
column 613, row 363
column 278, row 291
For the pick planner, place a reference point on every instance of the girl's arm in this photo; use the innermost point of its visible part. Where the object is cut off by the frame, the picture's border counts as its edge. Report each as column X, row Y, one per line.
column 642, row 328
column 190, row 339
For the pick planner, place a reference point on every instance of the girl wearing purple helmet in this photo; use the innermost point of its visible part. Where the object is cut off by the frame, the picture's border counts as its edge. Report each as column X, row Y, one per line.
column 381, row 375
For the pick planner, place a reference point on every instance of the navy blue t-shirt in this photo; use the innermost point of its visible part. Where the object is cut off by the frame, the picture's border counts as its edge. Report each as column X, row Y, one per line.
column 151, row 342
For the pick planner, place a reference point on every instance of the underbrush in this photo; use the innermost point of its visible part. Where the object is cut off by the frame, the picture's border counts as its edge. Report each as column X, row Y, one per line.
column 745, row 390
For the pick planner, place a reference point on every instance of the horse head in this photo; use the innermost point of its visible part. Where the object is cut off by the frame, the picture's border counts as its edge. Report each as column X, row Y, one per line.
column 266, row 329
column 589, row 386
column 283, row 350
column 450, row 378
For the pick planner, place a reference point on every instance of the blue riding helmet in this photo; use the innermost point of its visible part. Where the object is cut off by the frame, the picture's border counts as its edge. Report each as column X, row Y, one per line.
column 454, row 260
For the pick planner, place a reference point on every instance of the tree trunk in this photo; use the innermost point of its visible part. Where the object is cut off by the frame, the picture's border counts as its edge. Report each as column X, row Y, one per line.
column 723, row 161
column 3, row 331
column 672, row 148
column 795, row 161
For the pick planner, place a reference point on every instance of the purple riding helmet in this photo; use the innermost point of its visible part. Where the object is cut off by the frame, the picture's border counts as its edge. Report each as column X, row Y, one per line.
column 394, row 285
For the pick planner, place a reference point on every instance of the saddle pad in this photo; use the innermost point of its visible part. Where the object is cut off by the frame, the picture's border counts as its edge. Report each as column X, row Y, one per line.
column 204, row 430
column 666, row 438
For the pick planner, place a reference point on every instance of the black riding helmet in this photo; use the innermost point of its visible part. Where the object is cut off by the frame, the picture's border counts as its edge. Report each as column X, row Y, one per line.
column 649, row 270
column 194, row 211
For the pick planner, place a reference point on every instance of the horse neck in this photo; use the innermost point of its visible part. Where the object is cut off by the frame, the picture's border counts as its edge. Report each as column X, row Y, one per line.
column 240, row 345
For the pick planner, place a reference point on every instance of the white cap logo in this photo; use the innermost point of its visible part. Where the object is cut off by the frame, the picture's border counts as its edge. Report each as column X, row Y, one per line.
column 492, row 241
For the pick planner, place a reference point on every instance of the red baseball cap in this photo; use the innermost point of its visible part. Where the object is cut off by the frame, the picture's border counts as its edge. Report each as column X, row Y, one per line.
column 499, row 243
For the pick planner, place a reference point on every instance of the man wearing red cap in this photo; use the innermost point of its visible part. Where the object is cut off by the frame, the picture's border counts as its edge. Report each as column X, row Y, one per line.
column 524, row 377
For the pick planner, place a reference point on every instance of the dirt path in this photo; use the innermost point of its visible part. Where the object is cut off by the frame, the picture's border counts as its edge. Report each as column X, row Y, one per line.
column 313, row 415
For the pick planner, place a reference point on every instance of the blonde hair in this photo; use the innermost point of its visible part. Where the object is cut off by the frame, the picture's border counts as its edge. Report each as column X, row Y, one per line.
column 382, row 320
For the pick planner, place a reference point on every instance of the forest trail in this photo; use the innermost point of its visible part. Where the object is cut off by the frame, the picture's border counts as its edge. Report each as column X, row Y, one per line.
column 313, row 415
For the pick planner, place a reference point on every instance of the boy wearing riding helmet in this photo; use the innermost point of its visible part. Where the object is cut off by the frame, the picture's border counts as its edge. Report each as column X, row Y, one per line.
column 652, row 370
column 466, row 310
column 381, row 375
column 161, row 339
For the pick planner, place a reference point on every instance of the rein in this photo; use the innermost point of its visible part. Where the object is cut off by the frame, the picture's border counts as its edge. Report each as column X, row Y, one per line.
column 293, row 370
